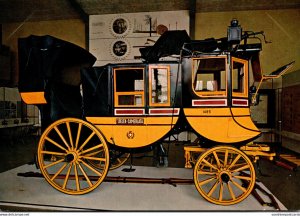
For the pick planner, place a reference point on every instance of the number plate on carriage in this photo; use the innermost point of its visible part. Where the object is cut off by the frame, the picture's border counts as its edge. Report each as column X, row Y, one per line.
column 130, row 121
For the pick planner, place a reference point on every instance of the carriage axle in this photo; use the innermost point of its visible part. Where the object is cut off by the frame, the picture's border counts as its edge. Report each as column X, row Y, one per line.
column 119, row 179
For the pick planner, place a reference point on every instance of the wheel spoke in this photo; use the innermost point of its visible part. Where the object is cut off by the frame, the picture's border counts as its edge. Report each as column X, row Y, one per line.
column 54, row 163
column 59, row 171
column 234, row 162
column 200, row 172
column 230, row 191
column 53, row 153
column 86, row 141
column 67, row 176
column 91, row 168
column 209, row 164
column 76, row 177
column 62, row 137
column 221, row 191
column 85, row 175
column 226, row 158
column 217, row 158
column 93, row 158
column 92, row 148
column 94, row 153
column 239, row 186
column 238, row 165
column 214, row 187
column 78, row 135
column 55, row 143
column 243, row 177
column 241, row 168
column 206, row 181
column 70, row 134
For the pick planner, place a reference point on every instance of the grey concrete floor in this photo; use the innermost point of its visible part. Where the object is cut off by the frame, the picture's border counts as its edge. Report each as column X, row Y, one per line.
column 283, row 183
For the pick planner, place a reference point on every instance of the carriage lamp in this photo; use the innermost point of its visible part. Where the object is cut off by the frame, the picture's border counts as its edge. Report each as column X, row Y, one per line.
column 234, row 32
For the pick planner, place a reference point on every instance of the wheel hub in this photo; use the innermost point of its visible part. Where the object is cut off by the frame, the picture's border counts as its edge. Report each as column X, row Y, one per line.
column 225, row 177
column 71, row 157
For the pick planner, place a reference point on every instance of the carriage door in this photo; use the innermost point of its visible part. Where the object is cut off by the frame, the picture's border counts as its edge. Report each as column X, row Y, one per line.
column 161, row 115
column 129, row 95
column 142, row 112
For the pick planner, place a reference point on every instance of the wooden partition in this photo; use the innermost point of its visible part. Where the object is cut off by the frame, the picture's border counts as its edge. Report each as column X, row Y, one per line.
column 291, row 109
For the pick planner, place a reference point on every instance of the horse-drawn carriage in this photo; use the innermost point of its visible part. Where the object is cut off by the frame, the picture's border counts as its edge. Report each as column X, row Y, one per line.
column 93, row 117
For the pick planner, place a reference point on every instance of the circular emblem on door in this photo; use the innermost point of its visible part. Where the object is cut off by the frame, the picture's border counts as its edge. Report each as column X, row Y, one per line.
column 130, row 135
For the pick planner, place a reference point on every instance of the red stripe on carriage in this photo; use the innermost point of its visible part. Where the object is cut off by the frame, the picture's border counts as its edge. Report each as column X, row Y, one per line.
column 129, row 112
column 212, row 102
column 239, row 102
column 164, row 111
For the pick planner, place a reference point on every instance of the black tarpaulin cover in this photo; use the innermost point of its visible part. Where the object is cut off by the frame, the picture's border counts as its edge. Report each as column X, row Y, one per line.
column 169, row 43
column 51, row 65
column 44, row 57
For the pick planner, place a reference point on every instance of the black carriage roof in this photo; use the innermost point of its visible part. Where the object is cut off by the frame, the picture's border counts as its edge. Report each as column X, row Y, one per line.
column 42, row 56
column 178, row 42
column 137, row 64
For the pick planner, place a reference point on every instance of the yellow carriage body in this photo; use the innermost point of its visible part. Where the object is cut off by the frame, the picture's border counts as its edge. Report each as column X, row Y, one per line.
column 133, row 132
column 222, row 125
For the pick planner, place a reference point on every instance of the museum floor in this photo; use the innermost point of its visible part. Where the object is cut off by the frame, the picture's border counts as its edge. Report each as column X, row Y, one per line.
column 282, row 182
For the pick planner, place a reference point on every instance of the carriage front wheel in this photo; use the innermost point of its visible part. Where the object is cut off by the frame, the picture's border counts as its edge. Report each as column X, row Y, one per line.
column 63, row 151
column 224, row 175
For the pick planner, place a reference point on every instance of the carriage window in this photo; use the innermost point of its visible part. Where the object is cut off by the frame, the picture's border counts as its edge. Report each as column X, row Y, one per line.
column 129, row 86
column 209, row 76
column 159, row 86
column 239, row 77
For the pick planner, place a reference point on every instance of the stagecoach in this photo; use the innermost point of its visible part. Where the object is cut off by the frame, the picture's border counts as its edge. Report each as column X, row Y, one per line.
column 94, row 117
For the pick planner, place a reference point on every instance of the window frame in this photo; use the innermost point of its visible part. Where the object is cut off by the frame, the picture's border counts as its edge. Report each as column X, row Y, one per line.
column 246, row 77
column 128, row 93
column 151, row 67
column 211, row 93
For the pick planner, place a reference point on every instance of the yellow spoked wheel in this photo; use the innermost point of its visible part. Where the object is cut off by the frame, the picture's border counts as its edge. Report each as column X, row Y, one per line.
column 224, row 175
column 119, row 161
column 115, row 162
column 63, row 150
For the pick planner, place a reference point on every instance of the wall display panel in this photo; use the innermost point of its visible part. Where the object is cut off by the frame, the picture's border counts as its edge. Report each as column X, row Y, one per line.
column 115, row 38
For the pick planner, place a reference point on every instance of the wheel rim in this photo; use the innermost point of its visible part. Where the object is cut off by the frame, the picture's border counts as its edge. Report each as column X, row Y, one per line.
column 63, row 150
column 224, row 175
column 119, row 161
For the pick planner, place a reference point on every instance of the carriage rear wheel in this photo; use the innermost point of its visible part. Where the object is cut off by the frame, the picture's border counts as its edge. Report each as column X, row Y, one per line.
column 63, row 150
column 224, row 175
column 115, row 162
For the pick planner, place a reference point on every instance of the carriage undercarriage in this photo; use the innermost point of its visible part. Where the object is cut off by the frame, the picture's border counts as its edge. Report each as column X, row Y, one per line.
column 78, row 161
